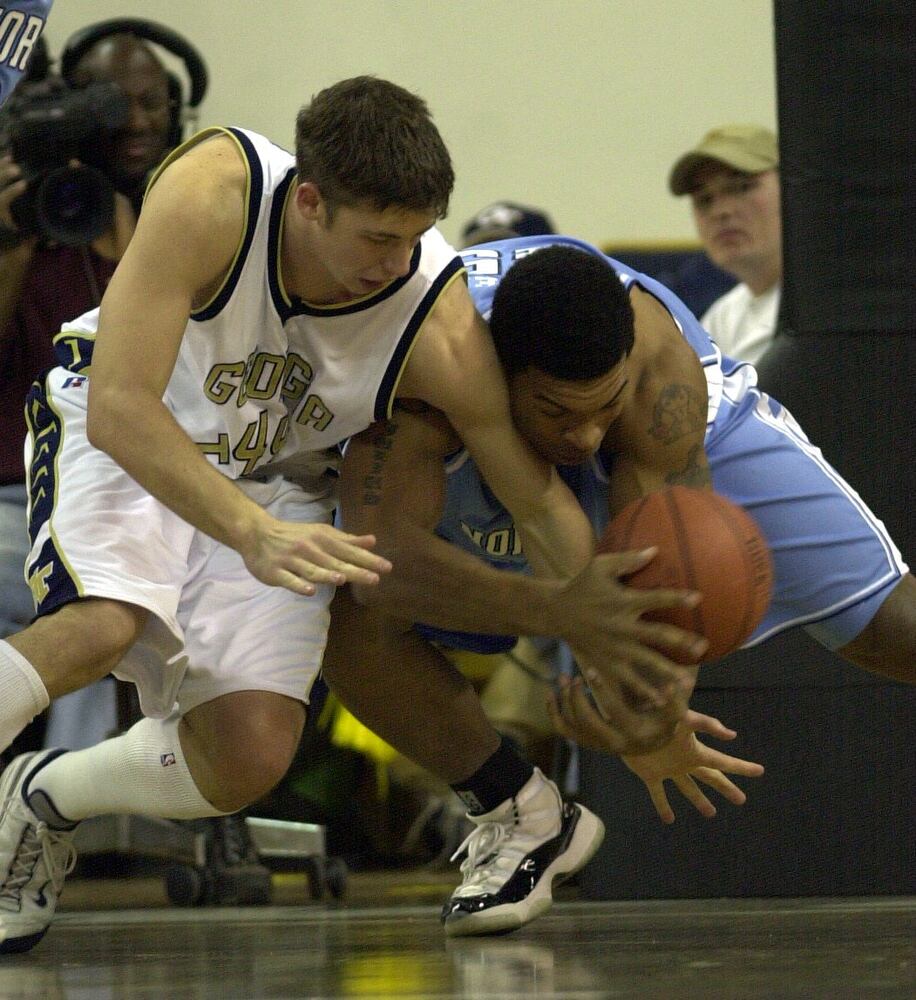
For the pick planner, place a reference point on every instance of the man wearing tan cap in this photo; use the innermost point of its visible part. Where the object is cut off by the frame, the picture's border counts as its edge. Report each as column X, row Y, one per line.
column 733, row 182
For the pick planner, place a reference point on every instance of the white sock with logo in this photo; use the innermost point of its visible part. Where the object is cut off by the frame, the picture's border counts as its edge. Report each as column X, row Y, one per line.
column 142, row 772
column 22, row 693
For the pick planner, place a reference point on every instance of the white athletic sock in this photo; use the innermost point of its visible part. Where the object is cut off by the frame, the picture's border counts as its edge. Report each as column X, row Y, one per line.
column 142, row 772
column 22, row 693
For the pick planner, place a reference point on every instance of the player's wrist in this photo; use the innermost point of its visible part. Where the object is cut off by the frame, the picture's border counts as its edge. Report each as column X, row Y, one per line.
column 246, row 526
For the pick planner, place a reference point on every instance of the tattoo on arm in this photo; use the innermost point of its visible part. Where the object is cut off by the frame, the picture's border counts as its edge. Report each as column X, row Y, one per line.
column 382, row 441
column 693, row 474
column 679, row 410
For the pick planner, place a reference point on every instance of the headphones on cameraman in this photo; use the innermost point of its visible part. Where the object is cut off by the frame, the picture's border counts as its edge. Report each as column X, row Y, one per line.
column 83, row 40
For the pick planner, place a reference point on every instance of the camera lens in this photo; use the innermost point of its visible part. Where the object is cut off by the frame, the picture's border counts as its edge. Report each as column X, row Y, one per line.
column 74, row 205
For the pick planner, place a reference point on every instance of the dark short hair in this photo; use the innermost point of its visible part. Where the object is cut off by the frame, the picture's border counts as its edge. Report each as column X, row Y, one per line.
column 369, row 140
column 564, row 312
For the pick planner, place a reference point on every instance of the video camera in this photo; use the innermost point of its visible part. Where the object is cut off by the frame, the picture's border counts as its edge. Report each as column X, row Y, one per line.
column 48, row 125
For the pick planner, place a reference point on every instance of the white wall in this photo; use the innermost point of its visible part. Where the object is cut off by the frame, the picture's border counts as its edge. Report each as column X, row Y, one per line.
column 576, row 106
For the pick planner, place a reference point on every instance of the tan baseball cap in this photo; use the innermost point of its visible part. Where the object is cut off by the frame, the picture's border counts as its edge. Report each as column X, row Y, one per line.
column 748, row 148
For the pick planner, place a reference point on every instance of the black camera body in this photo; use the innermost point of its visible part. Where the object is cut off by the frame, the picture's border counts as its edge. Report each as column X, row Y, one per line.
column 48, row 126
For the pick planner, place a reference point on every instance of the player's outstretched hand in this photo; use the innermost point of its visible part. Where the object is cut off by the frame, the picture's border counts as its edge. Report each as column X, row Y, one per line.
column 299, row 555
column 683, row 760
column 603, row 624
column 613, row 721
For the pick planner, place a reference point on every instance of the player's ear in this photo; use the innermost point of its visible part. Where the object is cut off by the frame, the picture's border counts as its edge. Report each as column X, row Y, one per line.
column 308, row 200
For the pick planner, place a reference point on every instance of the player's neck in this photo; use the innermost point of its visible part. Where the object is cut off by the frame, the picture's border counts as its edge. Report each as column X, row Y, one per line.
column 304, row 275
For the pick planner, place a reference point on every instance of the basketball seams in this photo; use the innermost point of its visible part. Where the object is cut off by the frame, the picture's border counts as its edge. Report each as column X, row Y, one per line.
column 623, row 530
column 683, row 538
column 706, row 543
column 737, row 527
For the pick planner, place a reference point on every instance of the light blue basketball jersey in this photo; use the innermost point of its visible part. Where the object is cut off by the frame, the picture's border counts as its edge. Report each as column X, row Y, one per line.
column 21, row 24
column 834, row 562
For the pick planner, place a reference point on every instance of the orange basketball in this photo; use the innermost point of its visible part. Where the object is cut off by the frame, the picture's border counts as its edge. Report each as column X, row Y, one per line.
column 705, row 543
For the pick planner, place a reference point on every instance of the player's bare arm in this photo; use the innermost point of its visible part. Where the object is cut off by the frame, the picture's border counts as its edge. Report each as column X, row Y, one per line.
column 658, row 440
column 454, row 368
column 185, row 242
column 393, row 486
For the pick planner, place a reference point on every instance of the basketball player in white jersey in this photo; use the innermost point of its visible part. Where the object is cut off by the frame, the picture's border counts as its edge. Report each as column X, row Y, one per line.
column 268, row 307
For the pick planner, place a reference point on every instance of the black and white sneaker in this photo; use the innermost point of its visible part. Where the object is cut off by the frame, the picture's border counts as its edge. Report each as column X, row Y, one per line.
column 514, row 854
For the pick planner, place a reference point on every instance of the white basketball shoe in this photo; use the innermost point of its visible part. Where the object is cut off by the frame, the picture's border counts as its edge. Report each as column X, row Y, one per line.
column 35, row 858
column 514, row 855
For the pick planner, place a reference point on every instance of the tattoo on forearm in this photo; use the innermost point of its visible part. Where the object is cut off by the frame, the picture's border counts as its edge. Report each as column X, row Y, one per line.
column 382, row 441
column 680, row 410
column 694, row 473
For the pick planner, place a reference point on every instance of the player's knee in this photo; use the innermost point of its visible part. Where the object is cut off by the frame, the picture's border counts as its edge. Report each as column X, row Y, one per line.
column 250, row 777
column 887, row 645
column 249, row 740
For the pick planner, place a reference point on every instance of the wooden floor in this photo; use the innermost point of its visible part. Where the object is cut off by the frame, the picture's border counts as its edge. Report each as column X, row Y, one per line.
column 121, row 938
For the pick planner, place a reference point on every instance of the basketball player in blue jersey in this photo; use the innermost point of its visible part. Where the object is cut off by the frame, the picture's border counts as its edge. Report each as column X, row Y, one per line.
column 21, row 24
column 611, row 378
column 267, row 307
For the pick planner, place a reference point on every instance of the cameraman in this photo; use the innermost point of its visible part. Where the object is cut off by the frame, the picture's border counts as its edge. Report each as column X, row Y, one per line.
column 43, row 284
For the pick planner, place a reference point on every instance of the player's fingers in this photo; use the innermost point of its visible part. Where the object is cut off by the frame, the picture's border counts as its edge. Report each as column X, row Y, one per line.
column 730, row 765
column 616, row 681
column 658, row 598
column 723, row 785
column 699, row 723
column 651, row 688
column 652, row 665
column 691, row 791
column 593, row 732
column 579, row 709
column 333, row 560
column 587, row 724
column 297, row 584
column 624, row 563
column 353, row 550
column 634, row 732
column 656, row 790
column 670, row 639
column 362, row 541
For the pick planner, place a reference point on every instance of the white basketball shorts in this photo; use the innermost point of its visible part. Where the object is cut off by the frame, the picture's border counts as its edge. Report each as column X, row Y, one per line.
column 213, row 628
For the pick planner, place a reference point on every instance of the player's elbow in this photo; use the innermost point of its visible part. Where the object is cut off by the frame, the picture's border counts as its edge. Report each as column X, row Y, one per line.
column 102, row 419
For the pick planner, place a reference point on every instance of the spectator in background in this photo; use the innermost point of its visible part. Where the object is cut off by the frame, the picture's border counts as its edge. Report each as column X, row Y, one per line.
column 44, row 284
column 504, row 220
column 733, row 181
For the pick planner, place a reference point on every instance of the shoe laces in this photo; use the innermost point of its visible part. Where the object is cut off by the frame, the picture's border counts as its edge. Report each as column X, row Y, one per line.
column 488, row 858
column 495, row 847
column 54, row 847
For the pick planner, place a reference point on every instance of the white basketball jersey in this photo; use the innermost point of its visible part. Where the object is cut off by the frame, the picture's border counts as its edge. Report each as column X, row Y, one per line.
column 261, row 379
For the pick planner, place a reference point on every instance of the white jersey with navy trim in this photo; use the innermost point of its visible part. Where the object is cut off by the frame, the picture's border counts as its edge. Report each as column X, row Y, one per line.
column 258, row 381
column 261, row 379
column 833, row 559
